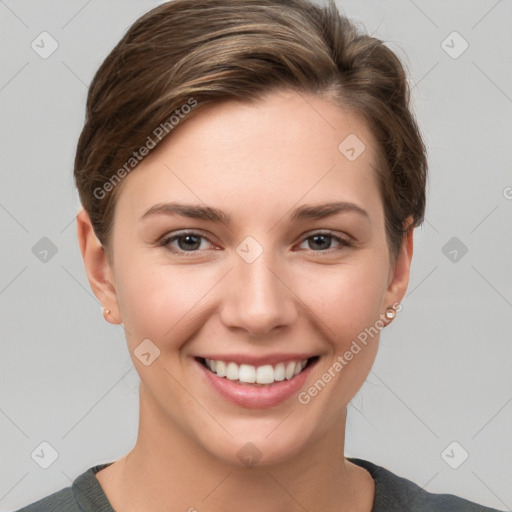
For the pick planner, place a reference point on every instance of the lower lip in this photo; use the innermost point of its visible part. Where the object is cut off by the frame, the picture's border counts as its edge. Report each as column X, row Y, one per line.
column 256, row 397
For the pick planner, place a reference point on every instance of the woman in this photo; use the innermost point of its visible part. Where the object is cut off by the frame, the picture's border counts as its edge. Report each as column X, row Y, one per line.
column 251, row 176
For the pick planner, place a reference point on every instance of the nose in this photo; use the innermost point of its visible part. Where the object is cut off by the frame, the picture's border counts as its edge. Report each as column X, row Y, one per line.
column 258, row 298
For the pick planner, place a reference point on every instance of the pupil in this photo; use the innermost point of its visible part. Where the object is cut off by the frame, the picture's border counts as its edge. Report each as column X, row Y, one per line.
column 193, row 245
column 324, row 237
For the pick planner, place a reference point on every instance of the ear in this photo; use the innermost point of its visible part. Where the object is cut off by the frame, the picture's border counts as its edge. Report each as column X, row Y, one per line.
column 97, row 267
column 400, row 270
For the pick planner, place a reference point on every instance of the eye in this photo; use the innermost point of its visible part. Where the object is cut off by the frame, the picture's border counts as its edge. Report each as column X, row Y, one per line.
column 191, row 242
column 187, row 241
column 321, row 241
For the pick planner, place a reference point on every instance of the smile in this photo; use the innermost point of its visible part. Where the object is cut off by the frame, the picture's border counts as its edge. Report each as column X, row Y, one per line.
column 250, row 374
column 256, row 382
column 247, row 373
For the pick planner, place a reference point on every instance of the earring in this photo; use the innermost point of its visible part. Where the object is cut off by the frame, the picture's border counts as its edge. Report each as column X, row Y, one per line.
column 390, row 313
column 106, row 311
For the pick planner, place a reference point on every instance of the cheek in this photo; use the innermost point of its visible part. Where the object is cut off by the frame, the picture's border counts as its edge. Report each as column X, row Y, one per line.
column 347, row 298
column 162, row 302
column 347, row 302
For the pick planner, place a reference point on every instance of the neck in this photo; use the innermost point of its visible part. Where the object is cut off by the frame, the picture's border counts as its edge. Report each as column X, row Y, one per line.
column 167, row 470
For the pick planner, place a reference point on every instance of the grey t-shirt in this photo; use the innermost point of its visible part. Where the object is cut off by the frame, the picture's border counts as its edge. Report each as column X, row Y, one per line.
column 392, row 494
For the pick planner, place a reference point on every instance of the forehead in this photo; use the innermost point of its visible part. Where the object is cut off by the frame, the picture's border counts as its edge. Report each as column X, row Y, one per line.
column 264, row 156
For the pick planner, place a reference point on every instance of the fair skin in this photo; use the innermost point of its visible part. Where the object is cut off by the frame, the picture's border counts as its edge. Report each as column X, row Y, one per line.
column 302, row 295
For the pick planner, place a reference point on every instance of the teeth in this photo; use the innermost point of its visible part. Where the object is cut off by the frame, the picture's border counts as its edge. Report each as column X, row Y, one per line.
column 279, row 372
column 221, row 369
column 266, row 374
column 232, row 371
column 290, row 369
column 247, row 373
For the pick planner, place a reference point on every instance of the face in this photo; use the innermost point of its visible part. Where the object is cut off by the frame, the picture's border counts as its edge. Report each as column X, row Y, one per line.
column 250, row 238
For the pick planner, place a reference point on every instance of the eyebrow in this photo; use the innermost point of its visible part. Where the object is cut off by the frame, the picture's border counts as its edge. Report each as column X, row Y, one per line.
column 319, row 211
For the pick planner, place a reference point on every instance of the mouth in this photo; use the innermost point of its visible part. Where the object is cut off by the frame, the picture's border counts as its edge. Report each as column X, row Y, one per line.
column 257, row 376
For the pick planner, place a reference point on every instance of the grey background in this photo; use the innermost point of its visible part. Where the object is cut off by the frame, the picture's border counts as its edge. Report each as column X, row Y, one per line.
column 443, row 371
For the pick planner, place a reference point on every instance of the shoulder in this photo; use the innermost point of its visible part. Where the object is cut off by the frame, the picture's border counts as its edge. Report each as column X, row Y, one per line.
column 59, row 501
column 395, row 493
column 84, row 495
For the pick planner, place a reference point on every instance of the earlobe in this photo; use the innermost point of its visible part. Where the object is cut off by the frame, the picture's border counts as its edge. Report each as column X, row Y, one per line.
column 97, row 268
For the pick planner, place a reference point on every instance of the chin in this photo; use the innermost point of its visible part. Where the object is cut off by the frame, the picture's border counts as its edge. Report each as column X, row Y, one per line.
column 259, row 445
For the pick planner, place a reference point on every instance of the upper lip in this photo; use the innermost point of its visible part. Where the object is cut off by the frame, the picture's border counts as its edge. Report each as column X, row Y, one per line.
column 259, row 360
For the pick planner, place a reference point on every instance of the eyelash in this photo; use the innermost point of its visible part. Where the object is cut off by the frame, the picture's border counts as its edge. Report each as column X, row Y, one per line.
column 165, row 242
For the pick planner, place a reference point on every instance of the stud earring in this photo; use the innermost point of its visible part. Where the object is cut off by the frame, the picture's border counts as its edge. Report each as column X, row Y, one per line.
column 106, row 311
column 390, row 313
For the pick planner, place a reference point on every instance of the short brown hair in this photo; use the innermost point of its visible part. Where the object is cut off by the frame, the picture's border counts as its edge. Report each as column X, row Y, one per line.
column 203, row 51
